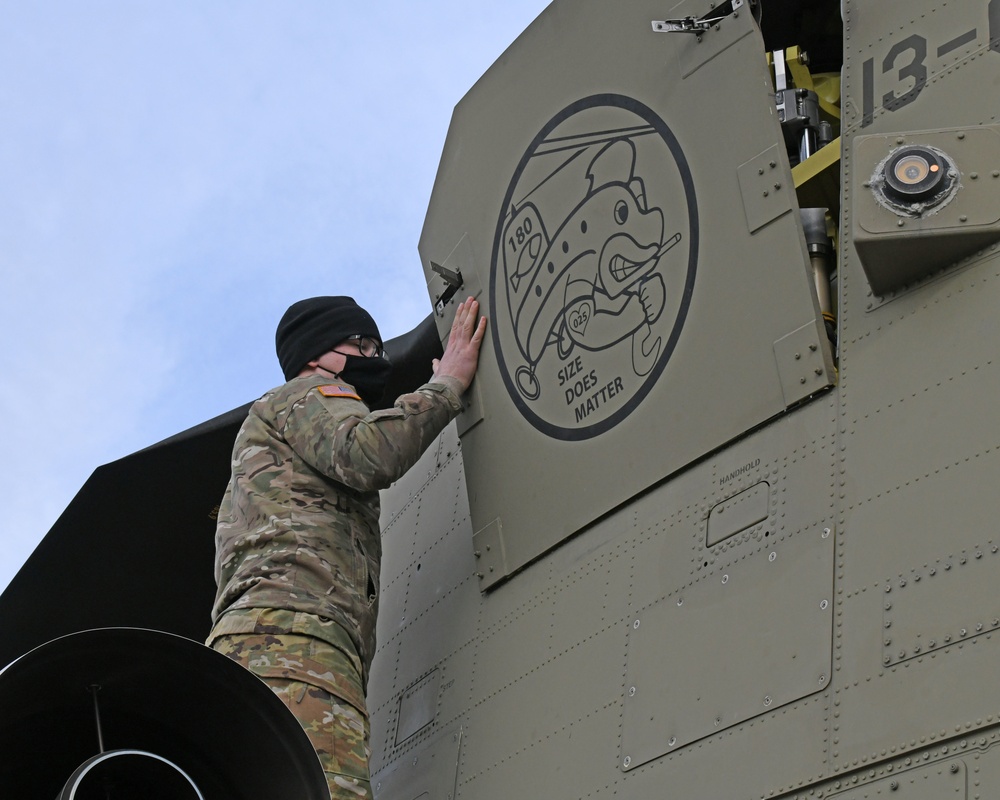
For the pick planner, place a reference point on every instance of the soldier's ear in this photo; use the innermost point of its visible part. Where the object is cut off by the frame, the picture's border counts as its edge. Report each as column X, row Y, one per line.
column 309, row 367
column 314, row 363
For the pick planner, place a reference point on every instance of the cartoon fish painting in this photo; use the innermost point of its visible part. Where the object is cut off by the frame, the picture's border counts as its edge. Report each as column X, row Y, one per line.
column 594, row 282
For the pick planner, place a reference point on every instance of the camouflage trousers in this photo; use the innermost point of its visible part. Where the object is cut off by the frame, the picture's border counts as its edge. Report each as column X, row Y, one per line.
column 339, row 731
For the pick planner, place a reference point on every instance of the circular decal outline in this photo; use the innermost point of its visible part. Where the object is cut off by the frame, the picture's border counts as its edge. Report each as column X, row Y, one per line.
column 643, row 111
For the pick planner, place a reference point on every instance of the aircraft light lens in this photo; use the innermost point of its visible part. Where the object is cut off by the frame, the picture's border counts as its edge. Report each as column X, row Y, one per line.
column 913, row 169
column 917, row 174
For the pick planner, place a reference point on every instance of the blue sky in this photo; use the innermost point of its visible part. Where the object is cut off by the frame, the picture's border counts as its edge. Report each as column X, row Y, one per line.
column 173, row 176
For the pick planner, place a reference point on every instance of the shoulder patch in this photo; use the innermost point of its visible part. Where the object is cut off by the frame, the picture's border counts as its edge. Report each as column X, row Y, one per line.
column 336, row 390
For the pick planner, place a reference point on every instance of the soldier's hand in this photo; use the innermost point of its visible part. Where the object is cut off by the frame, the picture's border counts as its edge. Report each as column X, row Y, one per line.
column 461, row 356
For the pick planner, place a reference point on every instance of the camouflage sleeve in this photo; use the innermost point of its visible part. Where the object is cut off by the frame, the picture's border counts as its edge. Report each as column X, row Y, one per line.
column 338, row 437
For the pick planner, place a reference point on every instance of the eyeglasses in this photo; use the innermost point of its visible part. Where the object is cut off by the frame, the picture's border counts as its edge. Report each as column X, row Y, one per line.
column 368, row 346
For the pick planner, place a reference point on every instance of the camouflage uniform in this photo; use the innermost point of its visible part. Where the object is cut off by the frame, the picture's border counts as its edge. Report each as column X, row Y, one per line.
column 298, row 550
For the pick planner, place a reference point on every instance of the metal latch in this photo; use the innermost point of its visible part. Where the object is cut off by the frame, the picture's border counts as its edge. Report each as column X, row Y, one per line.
column 695, row 25
column 453, row 278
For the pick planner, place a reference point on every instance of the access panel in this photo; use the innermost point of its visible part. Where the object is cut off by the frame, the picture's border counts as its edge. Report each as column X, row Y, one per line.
column 641, row 261
column 730, row 647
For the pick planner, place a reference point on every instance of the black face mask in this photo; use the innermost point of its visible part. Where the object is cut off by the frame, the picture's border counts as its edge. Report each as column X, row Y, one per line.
column 368, row 376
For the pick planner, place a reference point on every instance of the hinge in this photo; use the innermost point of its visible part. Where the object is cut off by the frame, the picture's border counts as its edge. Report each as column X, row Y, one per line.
column 700, row 25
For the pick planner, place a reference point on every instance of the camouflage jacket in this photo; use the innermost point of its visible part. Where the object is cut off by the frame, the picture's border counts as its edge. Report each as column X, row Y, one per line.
column 298, row 527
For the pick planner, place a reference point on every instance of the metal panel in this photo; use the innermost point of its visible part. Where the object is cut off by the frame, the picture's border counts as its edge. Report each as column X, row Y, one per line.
column 583, row 359
column 935, row 694
column 802, row 363
column 918, row 617
column 417, row 706
column 766, row 188
column 430, row 771
column 918, row 424
column 948, row 779
column 898, row 245
column 742, row 669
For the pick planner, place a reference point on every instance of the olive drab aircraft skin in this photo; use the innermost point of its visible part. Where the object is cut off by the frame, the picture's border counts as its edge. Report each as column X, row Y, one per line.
column 718, row 520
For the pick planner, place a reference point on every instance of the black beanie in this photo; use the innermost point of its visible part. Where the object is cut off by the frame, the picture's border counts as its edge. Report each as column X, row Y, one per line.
column 312, row 327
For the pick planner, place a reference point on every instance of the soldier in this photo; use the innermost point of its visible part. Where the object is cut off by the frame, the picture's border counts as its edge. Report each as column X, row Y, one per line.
column 297, row 544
